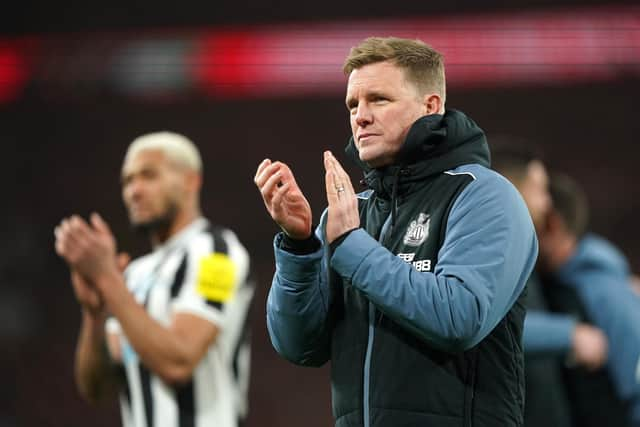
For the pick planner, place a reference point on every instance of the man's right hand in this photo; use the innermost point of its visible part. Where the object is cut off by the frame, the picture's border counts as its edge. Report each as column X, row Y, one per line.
column 283, row 199
column 590, row 347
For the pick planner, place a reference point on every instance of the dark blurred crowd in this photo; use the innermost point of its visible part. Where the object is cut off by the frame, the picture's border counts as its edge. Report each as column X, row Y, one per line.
column 582, row 330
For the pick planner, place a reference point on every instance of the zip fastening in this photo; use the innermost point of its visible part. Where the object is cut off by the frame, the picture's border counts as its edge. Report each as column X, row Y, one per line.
column 367, row 362
column 470, row 388
column 371, row 318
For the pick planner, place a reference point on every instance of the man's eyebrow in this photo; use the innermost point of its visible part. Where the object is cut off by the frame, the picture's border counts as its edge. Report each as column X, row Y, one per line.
column 377, row 93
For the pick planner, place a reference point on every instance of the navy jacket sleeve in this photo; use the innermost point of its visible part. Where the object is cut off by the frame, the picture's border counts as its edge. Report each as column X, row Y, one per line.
column 488, row 253
column 297, row 306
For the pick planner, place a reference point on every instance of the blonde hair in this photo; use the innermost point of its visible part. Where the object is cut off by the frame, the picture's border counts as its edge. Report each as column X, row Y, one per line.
column 178, row 148
column 423, row 65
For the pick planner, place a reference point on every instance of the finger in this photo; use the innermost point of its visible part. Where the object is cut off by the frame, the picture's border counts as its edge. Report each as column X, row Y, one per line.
column 330, row 187
column 277, row 200
column 58, row 238
column 62, row 236
column 67, row 250
column 331, row 166
column 100, row 224
column 66, row 237
column 341, row 175
column 59, row 246
column 344, row 177
column 269, row 186
column 261, row 168
column 266, row 173
column 332, row 184
column 62, row 240
column 79, row 229
column 285, row 171
column 64, row 227
column 326, row 158
column 287, row 174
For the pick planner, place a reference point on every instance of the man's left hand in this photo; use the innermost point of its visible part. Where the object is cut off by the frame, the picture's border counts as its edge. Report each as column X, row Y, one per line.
column 343, row 204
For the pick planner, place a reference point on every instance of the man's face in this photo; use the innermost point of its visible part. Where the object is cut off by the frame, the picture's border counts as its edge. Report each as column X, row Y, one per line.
column 152, row 189
column 535, row 192
column 383, row 105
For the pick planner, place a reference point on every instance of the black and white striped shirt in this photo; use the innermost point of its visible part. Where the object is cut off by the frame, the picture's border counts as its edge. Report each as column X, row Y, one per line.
column 203, row 270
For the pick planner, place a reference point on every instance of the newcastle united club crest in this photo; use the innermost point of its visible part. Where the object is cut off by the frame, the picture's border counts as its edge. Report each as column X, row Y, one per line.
column 418, row 231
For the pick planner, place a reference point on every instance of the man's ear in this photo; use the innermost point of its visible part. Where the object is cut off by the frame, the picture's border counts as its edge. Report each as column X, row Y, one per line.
column 193, row 181
column 433, row 103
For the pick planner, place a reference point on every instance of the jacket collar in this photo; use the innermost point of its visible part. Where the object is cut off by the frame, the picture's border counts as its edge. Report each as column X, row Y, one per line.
column 434, row 144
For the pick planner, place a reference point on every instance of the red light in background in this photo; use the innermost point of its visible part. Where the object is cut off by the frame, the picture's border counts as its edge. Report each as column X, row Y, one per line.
column 551, row 47
column 277, row 61
column 482, row 50
column 229, row 63
column 13, row 72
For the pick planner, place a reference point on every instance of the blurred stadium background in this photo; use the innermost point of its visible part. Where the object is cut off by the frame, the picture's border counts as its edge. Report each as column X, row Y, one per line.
column 80, row 80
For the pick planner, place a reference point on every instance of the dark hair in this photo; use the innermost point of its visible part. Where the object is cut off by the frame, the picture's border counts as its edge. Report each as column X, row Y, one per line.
column 511, row 156
column 570, row 202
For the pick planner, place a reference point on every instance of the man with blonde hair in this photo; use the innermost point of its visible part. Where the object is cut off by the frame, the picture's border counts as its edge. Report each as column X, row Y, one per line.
column 170, row 332
column 413, row 288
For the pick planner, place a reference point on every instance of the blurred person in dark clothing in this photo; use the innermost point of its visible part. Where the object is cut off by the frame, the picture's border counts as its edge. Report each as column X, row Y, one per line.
column 549, row 338
column 587, row 277
column 412, row 289
column 169, row 333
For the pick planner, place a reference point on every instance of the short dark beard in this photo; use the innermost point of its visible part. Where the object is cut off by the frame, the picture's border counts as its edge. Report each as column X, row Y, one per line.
column 159, row 225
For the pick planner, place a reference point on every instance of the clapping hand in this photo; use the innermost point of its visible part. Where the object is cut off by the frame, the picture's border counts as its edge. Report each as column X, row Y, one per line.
column 343, row 213
column 283, row 199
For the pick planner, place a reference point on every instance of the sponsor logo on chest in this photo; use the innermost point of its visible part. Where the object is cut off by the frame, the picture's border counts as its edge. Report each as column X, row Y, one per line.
column 420, row 265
